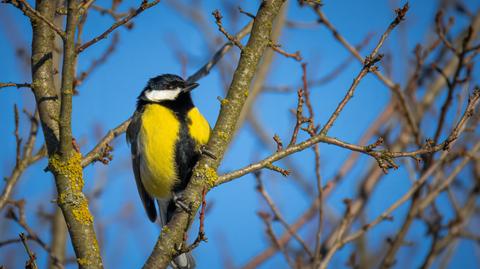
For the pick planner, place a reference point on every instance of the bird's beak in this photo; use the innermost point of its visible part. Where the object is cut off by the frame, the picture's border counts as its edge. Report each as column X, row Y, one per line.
column 190, row 86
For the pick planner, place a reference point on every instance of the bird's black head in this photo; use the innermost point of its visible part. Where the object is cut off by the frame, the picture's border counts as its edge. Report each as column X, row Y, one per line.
column 167, row 89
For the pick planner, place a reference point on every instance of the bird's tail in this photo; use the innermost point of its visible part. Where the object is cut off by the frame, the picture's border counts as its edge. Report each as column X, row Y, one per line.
column 184, row 260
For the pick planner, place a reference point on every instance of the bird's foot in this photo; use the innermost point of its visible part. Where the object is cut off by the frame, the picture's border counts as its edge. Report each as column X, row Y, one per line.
column 207, row 152
column 179, row 202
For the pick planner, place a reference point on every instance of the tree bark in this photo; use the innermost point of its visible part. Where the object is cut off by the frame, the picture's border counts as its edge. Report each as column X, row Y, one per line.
column 55, row 116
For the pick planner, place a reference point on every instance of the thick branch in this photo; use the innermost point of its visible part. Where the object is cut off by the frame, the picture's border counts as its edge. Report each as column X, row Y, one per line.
column 42, row 80
column 65, row 164
column 68, row 77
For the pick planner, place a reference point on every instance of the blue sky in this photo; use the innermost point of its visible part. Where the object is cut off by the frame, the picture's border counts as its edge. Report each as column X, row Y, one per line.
column 108, row 97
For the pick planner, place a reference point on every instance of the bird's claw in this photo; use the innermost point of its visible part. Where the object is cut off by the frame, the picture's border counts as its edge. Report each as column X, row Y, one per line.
column 206, row 152
column 178, row 200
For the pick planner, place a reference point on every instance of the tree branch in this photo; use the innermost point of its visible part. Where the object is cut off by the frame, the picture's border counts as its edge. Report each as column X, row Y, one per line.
column 386, row 214
column 205, row 69
column 65, row 163
column 144, row 6
column 12, row 84
column 97, row 153
column 377, row 154
column 34, row 15
column 278, row 215
column 395, row 88
column 24, row 160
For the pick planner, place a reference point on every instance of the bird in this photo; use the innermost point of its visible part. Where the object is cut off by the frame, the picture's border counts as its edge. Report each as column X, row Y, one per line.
column 166, row 136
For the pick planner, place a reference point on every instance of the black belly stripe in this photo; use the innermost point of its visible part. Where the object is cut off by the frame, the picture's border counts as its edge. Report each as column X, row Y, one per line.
column 186, row 155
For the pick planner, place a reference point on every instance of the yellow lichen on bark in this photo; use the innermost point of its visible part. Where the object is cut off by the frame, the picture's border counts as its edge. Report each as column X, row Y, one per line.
column 224, row 102
column 83, row 261
column 71, row 169
column 223, row 135
column 81, row 212
column 210, row 176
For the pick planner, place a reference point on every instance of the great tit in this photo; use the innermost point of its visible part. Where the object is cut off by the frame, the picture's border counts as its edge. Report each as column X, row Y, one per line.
column 166, row 135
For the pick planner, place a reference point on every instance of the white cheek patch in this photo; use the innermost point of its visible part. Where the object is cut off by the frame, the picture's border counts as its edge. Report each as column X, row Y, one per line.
column 162, row 95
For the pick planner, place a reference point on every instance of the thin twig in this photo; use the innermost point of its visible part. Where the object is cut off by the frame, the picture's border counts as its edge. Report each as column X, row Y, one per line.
column 12, row 84
column 110, row 11
column 451, row 84
column 332, row 183
column 312, row 131
column 23, row 159
column 299, row 118
column 18, row 140
column 98, row 153
column 455, row 229
column 386, row 214
column 296, row 55
column 201, row 230
column 218, row 20
column 379, row 155
column 34, row 15
column 31, row 263
column 144, row 6
column 98, row 62
column 275, row 241
column 388, row 82
column 278, row 215
column 334, row 73
column 20, row 219
column 441, row 31
column 205, row 69
column 368, row 66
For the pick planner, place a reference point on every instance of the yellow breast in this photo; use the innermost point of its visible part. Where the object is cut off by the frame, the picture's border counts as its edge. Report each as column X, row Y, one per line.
column 198, row 126
column 157, row 139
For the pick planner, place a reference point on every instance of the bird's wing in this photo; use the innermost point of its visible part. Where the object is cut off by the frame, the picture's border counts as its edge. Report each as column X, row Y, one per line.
column 132, row 136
